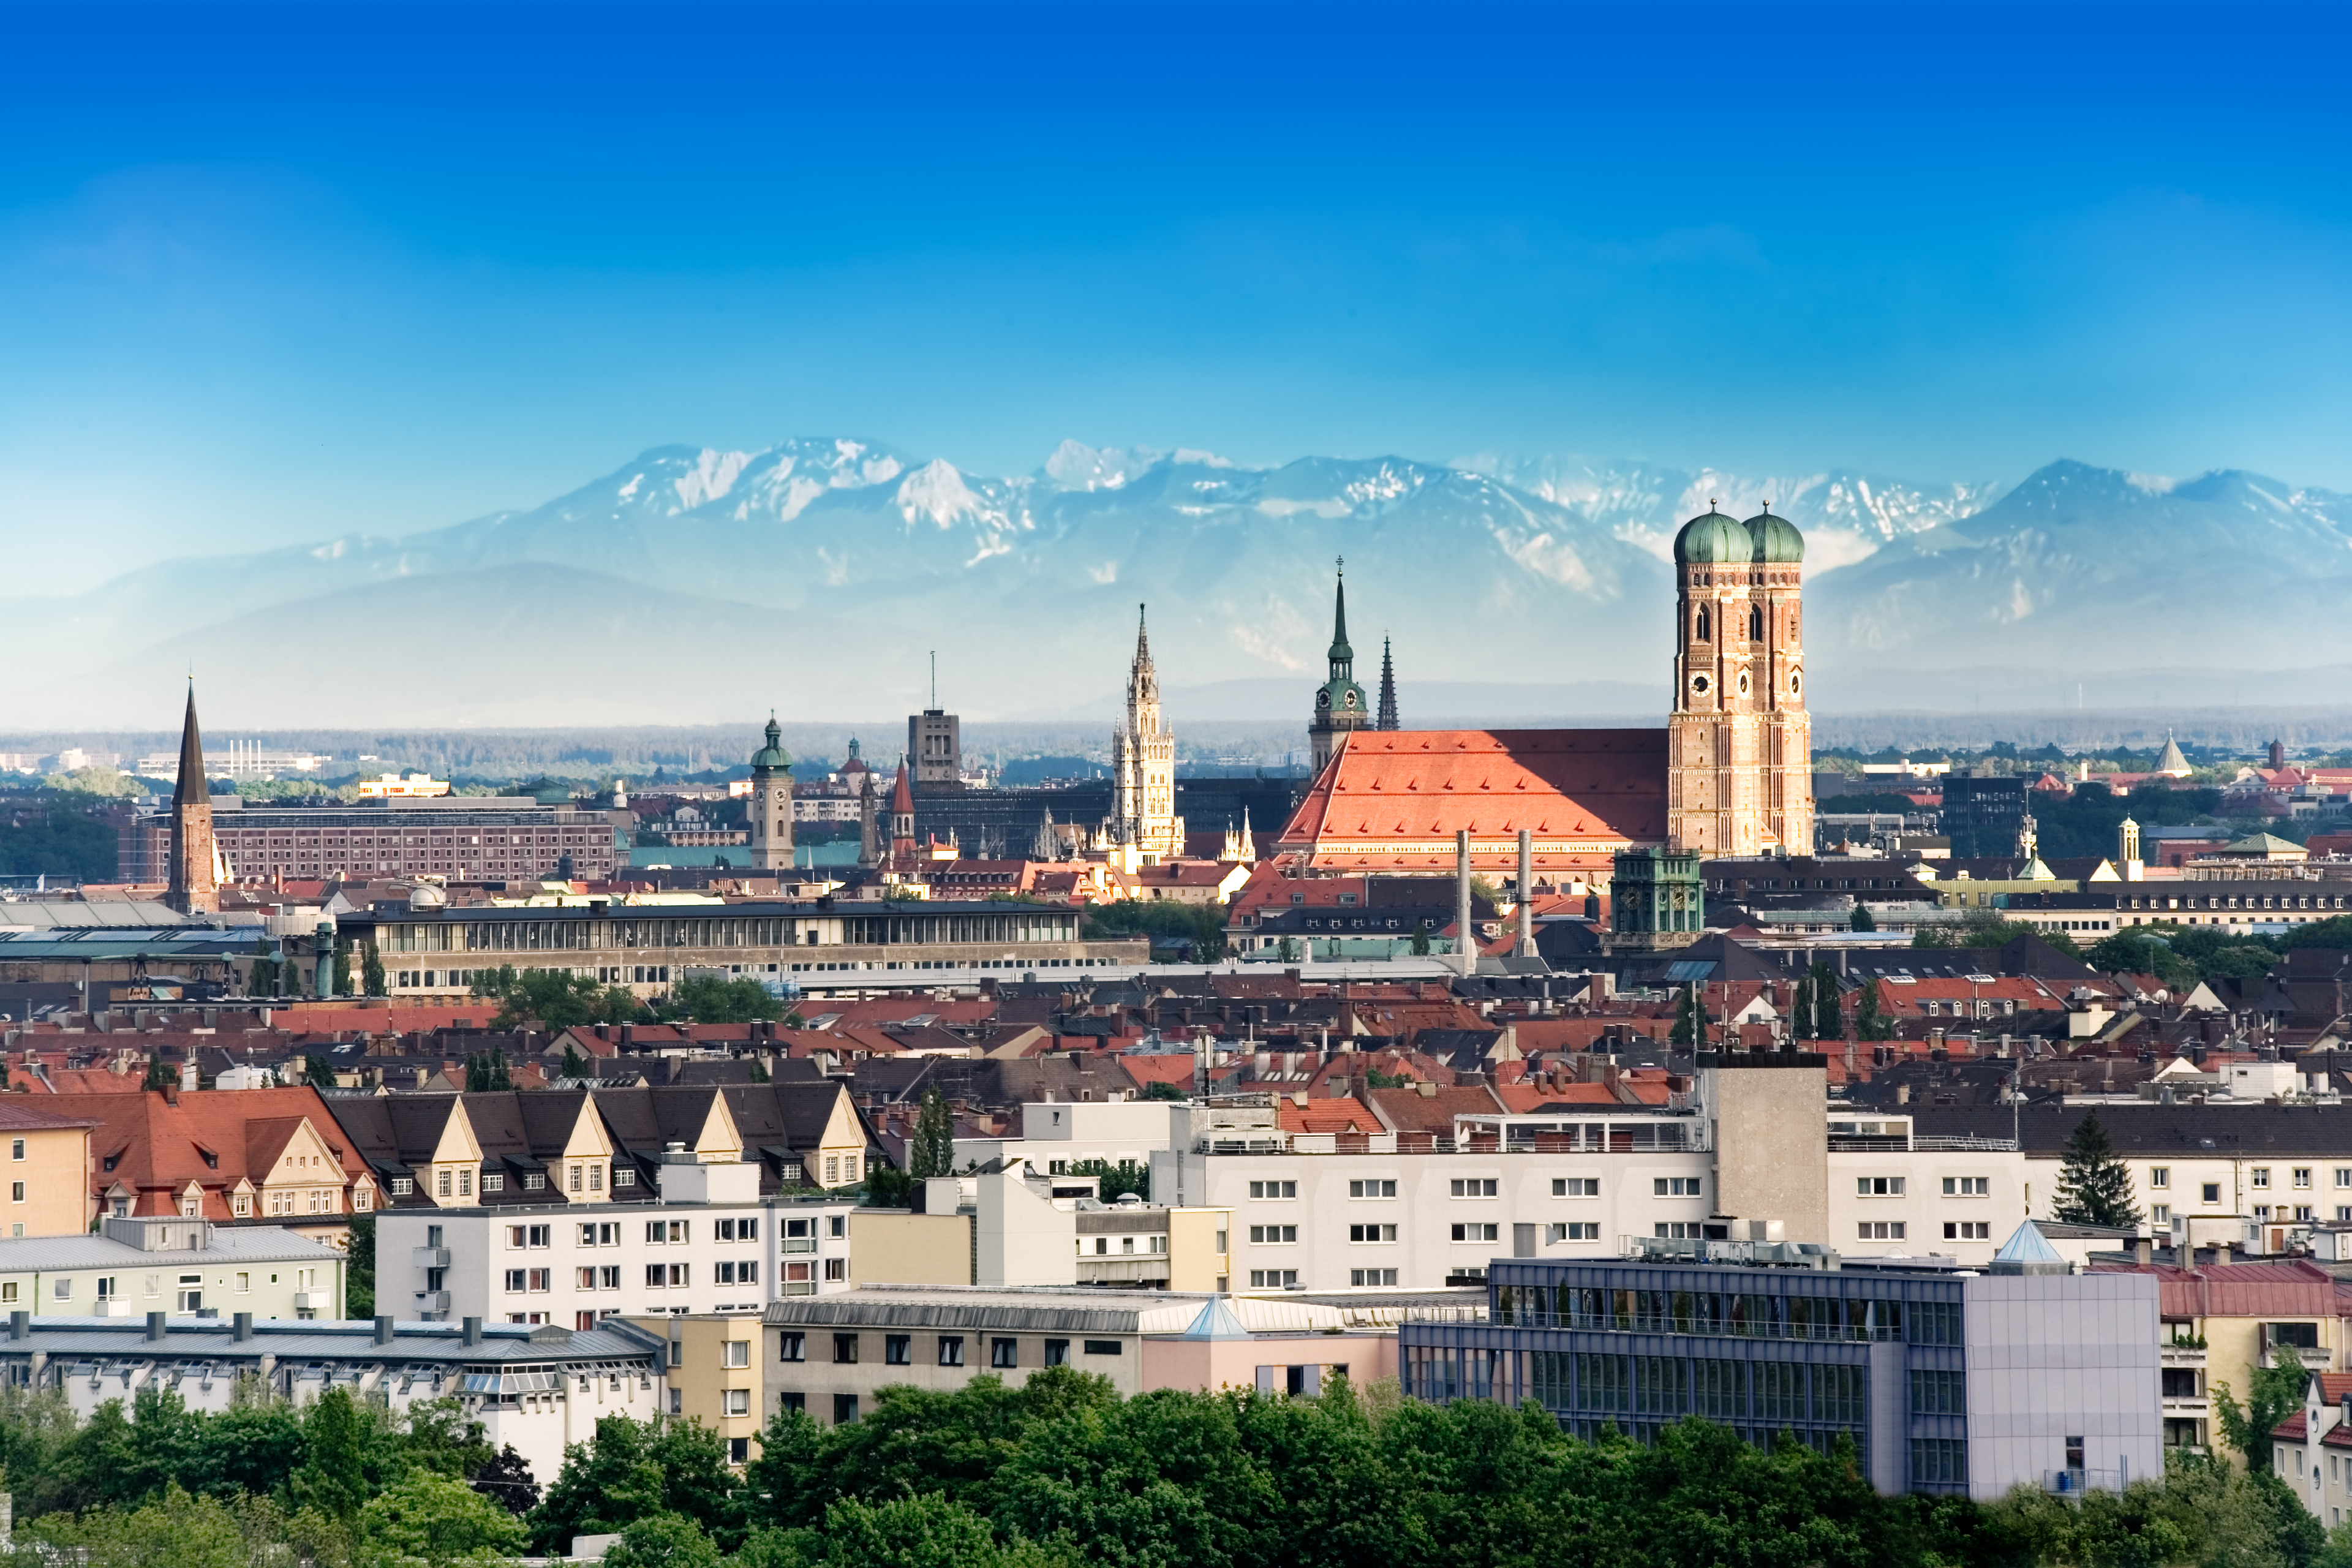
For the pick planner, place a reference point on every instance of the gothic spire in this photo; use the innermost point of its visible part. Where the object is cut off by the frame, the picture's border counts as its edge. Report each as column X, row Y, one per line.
column 1387, row 718
column 1342, row 655
column 191, row 786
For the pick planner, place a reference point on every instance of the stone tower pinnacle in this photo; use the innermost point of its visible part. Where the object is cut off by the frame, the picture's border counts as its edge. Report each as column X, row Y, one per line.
column 1388, row 715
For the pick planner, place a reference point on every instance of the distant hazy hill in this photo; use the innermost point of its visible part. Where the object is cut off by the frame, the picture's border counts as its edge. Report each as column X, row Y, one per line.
column 815, row 576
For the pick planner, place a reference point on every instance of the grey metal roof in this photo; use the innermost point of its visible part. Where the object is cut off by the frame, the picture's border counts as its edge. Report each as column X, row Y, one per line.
column 52, row 914
column 297, row 1340
column 268, row 1244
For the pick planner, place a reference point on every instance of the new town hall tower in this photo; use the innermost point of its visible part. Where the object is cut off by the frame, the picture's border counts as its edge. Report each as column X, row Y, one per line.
column 1739, row 742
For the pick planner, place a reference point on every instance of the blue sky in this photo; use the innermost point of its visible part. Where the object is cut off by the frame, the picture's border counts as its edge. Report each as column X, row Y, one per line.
column 269, row 274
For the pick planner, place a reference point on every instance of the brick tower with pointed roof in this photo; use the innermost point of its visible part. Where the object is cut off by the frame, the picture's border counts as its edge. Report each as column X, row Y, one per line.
column 902, row 815
column 1339, row 705
column 195, row 883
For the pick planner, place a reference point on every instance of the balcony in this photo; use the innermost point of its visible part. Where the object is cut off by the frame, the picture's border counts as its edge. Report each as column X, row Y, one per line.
column 433, row 1303
column 429, row 1256
column 310, row 1301
column 1123, row 1270
column 2183, row 1356
column 800, row 1244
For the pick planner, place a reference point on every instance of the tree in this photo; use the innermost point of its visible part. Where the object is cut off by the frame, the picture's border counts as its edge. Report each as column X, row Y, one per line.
column 1159, row 1089
column 1690, row 1023
column 1829, row 1011
column 632, row 1470
column 707, row 999
column 1862, row 919
column 1870, row 1022
column 431, row 1519
column 574, row 1064
column 2094, row 1183
column 930, row 1152
column 1420, row 939
column 663, row 1540
column 1127, row 1177
column 317, row 1070
column 159, row 1075
column 2136, row 952
column 342, row 966
column 332, row 1478
column 359, row 1272
column 2275, row 1394
column 372, row 977
column 487, row 1073
column 1801, row 1007
column 551, row 998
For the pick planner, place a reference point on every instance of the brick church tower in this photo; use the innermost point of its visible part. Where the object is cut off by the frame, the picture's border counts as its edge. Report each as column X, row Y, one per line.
column 194, row 876
column 1739, row 777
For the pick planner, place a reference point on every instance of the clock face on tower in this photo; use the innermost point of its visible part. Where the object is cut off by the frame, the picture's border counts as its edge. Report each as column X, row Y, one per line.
column 1322, row 699
column 1352, row 699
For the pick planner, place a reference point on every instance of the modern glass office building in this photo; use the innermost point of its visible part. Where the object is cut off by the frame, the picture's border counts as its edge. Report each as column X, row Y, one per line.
column 1946, row 1381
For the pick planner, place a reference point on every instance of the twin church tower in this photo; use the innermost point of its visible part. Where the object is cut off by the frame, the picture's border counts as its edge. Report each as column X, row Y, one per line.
column 1739, row 741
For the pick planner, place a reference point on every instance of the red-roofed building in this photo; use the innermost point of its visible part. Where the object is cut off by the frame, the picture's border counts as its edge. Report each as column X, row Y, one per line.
column 269, row 1156
column 1391, row 800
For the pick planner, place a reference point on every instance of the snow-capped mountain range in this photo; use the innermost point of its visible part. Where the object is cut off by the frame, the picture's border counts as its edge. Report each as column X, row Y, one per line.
column 816, row 575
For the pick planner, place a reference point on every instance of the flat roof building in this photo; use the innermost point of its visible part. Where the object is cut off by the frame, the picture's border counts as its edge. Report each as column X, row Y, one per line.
column 1948, row 1381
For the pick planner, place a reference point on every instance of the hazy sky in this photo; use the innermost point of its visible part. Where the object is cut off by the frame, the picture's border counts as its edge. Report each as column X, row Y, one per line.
column 270, row 274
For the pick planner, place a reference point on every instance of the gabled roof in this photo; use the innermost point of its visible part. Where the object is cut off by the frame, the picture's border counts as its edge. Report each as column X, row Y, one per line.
column 1393, row 800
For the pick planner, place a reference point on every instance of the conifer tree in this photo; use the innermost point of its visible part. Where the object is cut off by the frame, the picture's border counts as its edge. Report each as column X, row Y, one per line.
column 2094, row 1185
column 1689, row 1023
column 1801, row 1008
column 932, row 1151
column 1828, row 1012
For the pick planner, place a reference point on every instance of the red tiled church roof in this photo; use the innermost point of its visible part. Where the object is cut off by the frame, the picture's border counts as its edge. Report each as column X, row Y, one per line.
column 1392, row 800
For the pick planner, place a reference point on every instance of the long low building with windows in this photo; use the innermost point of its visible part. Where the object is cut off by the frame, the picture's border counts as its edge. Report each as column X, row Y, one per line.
column 1947, row 1382
column 436, row 953
column 535, row 1389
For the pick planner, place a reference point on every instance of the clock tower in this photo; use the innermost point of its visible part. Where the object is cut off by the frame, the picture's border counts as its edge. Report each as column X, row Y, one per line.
column 1739, row 742
column 1339, row 705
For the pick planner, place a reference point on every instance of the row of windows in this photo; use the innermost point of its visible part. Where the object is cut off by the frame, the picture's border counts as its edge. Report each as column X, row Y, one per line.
column 2210, row 901
column 947, row 1349
column 1749, row 1315
column 1485, row 1187
column 1899, row 1187
column 1719, row 1389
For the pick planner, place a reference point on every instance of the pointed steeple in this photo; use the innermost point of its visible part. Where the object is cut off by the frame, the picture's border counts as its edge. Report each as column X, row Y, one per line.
column 1388, row 719
column 2172, row 762
column 1342, row 654
column 191, row 784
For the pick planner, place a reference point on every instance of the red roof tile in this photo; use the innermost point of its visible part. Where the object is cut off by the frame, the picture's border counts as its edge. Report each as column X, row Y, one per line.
column 1392, row 800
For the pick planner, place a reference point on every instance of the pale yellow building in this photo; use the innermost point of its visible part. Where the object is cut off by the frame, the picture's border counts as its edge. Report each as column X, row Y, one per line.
column 713, row 1373
column 49, row 1171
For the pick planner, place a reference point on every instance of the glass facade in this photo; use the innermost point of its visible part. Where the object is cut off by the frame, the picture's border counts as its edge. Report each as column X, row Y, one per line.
column 1763, row 1351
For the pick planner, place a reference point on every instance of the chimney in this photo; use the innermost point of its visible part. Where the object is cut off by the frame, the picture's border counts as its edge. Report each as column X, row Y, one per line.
column 1526, row 944
column 383, row 1330
column 470, row 1331
column 20, row 1325
column 1466, row 948
column 240, row 1326
column 155, row 1327
column 188, row 1073
column 2143, row 1253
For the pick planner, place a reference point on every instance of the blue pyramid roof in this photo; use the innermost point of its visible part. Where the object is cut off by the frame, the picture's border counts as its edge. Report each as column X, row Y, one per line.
column 1217, row 1322
column 2026, row 1244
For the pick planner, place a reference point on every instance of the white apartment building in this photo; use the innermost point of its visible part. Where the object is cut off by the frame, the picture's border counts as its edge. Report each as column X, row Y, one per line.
column 709, row 1243
column 1057, row 1135
column 1307, row 1216
column 2275, row 1164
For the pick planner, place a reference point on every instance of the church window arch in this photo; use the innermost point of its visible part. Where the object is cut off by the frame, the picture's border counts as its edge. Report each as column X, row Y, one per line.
column 1755, row 623
column 1699, row 627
